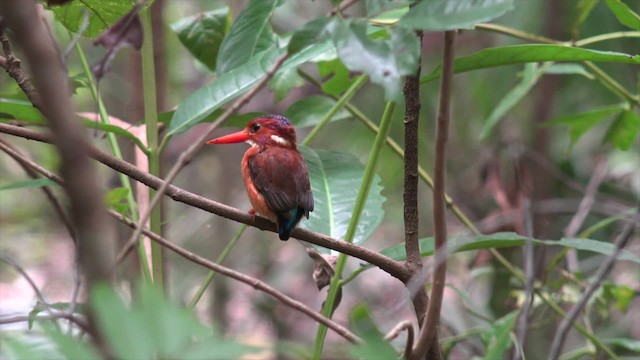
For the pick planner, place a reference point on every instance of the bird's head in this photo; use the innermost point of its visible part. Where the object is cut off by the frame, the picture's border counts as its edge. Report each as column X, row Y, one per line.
column 272, row 130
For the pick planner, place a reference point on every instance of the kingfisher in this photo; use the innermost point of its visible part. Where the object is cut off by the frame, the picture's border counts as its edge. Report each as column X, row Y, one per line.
column 275, row 173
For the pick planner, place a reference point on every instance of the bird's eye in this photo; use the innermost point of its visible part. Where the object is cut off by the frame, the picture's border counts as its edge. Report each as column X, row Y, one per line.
column 255, row 127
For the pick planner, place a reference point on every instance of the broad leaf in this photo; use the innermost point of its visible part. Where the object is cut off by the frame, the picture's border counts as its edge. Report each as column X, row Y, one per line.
column 441, row 15
column 100, row 14
column 530, row 77
column 310, row 110
column 625, row 15
column 507, row 239
column 579, row 124
column 386, row 61
column 338, row 78
column 624, row 131
column 316, row 31
column 211, row 97
column 202, row 34
column 249, row 35
column 373, row 345
column 20, row 110
column 519, row 54
column 28, row 184
column 335, row 181
column 497, row 338
column 285, row 81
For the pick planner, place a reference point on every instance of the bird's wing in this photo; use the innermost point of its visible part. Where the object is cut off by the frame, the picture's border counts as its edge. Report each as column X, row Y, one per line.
column 282, row 178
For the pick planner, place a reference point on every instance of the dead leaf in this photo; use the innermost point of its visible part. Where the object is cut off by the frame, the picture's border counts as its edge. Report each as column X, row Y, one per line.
column 125, row 32
column 323, row 268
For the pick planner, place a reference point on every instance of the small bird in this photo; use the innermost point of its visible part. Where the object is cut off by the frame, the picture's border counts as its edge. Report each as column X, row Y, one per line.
column 274, row 172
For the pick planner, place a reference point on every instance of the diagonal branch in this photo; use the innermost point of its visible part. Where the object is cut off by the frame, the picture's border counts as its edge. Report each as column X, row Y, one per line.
column 12, row 65
column 251, row 281
column 393, row 267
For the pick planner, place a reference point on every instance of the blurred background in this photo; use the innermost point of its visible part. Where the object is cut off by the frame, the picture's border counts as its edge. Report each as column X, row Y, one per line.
column 477, row 171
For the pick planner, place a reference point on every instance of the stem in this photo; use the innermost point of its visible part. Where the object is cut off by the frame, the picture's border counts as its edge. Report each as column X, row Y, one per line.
column 361, row 80
column 115, row 149
column 223, row 255
column 428, row 333
column 151, row 122
column 609, row 36
column 611, row 84
column 367, row 180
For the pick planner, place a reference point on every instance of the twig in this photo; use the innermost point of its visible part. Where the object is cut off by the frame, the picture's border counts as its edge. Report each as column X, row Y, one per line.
column 187, row 155
column 584, row 208
column 602, row 272
column 402, row 326
column 71, row 317
column 392, row 267
column 523, row 319
column 26, row 276
column 251, row 281
column 11, row 65
column 428, row 333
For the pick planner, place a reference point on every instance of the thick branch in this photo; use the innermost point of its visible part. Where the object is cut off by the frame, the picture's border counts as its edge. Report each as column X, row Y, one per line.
column 394, row 268
column 11, row 65
column 428, row 333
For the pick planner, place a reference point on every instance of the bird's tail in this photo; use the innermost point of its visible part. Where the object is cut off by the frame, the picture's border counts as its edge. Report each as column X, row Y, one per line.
column 286, row 224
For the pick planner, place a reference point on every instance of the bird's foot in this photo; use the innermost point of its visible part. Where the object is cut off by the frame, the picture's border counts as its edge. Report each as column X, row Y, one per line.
column 252, row 212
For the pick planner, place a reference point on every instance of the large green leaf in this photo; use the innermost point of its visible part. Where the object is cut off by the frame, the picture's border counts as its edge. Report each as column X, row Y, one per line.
column 202, row 34
column 624, row 131
column 335, row 181
column 385, row 61
column 530, row 77
column 579, row 124
column 625, row 15
column 508, row 239
column 441, row 15
column 234, row 83
column 249, row 35
column 310, row 110
column 337, row 78
column 100, row 14
column 519, row 54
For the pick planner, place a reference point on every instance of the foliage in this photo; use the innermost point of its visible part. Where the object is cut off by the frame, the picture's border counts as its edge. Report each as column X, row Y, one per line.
column 329, row 59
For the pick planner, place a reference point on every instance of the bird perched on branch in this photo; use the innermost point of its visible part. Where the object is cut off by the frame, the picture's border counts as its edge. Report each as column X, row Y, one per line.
column 274, row 172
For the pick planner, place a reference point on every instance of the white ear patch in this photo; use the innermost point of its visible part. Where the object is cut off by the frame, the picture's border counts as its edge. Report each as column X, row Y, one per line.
column 279, row 140
column 251, row 142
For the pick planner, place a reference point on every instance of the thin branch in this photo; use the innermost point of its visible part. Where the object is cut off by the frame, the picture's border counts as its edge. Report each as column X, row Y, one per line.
column 393, row 267
column 67, row 316
column 584, row 208
column 602, row 272
column 407, row 326
column 523, row 319
column 12, row 65
column 9, row 261
column 187, row 155
column 428, row 333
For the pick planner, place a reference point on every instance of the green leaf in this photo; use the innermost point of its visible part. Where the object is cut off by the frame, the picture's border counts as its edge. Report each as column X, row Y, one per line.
column 385, row 61
column 101, row 14
column 316, row 31
column 625, row 15
column 285, row 81
column 249, row 35
column 308, row 111
column 373, row 345
column 530, row 77
column 624, row 130
column 580, row 123
column 508, row 239
column 584, row 9
column 497, row 338
column 338, row 77
column 628, row 344
column 80, row 308
column 519, row 54
column 22, row 110
column 28, row 184
column 441, row 15
column 69, row 347
column 202, row 34
column 335, row 180
column 622, row 294
column 209, row 98
column 117, row 199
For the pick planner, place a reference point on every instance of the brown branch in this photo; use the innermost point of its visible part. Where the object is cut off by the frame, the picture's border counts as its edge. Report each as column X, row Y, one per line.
column 602, row 272
column 428, row 334
column 256, row 283
column 402, row 326
column 393, row 267
column 12, row 65
column 188, row 154
column 94, row 233
column 71, row 317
